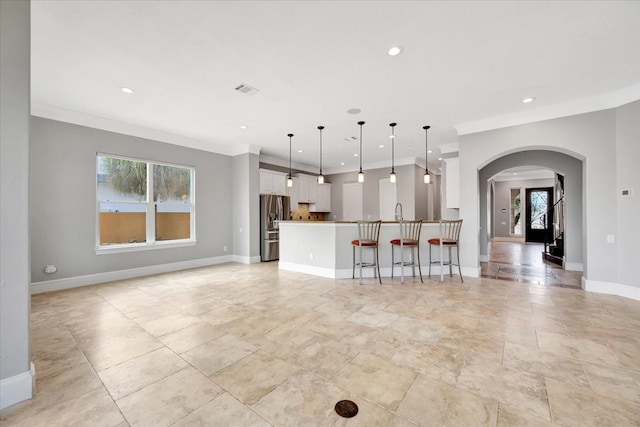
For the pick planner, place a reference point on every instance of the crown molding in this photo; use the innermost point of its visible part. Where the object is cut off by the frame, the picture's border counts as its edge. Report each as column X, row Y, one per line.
column 276, row 161
column 586, row 105
column 83, row 119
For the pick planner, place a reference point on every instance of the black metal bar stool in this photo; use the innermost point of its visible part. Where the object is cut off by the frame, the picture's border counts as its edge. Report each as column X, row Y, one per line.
column 409, row 238
column 368, row 234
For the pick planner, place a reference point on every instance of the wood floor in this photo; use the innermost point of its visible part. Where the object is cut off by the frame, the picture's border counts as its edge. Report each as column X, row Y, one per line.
column 523, row 262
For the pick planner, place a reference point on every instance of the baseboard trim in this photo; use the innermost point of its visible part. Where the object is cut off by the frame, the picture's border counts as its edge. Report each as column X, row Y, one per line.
column 17, row 388
column 247, row 259
column 484, row 258
column 573, row 266
column 346, row 273
column 610, row 288
column 110, row 276
column 309, row 269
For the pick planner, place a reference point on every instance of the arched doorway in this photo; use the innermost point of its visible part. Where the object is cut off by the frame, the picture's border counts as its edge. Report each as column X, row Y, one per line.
column 570, row 168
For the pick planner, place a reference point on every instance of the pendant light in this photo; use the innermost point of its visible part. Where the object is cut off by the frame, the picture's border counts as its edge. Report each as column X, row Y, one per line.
column 392, row 175
column 289, row 177
column 427, row 177
column 320, row 176
column 360, row 174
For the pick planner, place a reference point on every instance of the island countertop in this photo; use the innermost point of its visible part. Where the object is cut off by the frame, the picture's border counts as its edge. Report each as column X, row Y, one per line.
column 323, row 248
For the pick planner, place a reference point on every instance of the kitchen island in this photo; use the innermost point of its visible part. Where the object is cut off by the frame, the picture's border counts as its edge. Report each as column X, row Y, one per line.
column 324, row 248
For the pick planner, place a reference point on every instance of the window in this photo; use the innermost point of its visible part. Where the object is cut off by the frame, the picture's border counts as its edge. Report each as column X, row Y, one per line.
column 516, row 224
column 137, row 209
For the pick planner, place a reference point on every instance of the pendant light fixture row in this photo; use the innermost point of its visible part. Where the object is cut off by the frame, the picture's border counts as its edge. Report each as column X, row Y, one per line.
column 289, row 177
column 392, row 175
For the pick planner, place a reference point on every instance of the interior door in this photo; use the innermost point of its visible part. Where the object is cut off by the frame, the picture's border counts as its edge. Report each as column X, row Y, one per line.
column 539, row 215
column 351, row 201
column 388, row 198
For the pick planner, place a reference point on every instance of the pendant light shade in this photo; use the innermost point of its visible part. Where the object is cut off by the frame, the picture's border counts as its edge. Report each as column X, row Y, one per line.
column 289, row 177
column 427, row 177
column 360, row 174
column 320, row 176
column 392, row 175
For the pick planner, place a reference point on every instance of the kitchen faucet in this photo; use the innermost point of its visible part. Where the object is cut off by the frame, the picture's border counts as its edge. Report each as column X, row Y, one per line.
column 398, row 217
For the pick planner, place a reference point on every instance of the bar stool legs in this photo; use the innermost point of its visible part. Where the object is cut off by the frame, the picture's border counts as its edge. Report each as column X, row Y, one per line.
column 368, row 233
column 448, row 239
column 409, row 238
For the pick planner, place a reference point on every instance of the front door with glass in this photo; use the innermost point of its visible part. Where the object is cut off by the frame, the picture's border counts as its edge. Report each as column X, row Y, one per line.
column 539, row 215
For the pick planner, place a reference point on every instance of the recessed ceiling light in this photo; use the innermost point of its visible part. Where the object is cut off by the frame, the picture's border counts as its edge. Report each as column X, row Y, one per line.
column 299, row 151
column 395, row 51
column 430, row 151
column 528, row 100
column 341, row 163
column 354, row 111
column 127, row 90
column 355, row 155
column 392, row 136
column 515, row 173
column 244, row 127
column 381, row 145
column 439, row 158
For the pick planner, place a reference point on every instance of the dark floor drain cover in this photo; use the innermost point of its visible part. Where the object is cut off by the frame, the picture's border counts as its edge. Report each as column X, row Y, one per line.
column 346, row 408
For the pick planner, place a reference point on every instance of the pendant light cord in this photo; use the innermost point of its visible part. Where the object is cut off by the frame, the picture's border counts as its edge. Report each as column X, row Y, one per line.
column 426, row 149
column 290, row 136
column 360, row 123
column 320, row 128
column 393, row 146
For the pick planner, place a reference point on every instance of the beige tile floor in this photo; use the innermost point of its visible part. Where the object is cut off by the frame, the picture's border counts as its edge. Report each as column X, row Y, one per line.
column 248, row 345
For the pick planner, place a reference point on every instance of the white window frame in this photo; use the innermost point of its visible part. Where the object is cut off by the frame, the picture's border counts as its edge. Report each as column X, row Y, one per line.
column 151, row 243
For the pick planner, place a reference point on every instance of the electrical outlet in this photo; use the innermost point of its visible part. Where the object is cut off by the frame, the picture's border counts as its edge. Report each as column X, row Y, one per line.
column 611, row 238
column 224, row 248
column 311, row 256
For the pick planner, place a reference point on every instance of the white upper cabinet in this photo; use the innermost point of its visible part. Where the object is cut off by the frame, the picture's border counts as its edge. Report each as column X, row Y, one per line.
column 307, row 189
column 272, row 182
column 323, row 203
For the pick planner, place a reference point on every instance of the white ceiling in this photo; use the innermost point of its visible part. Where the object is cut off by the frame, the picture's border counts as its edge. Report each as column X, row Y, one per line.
column 465, row 65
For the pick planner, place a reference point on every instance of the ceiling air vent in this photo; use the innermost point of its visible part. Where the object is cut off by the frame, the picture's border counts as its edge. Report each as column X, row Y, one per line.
column 247, row 90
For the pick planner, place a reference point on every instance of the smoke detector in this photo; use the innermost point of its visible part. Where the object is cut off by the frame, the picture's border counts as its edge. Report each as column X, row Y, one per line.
column 246, row 89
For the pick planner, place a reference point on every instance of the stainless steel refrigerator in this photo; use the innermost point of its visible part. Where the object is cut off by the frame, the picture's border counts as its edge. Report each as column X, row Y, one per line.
column 273, row 209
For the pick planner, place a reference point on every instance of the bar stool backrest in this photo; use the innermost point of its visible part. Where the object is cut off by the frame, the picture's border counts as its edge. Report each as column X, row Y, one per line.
column 410, row 230
column 368, row 231
column 451, row 230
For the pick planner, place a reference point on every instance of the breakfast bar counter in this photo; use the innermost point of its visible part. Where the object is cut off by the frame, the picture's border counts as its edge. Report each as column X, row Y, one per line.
column 323, row 248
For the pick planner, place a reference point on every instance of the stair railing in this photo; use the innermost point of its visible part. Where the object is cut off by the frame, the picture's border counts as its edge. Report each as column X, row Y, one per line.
column 556, row 233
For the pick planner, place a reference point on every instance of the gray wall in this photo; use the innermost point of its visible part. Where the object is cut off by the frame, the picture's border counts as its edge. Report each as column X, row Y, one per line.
column 502, row 200
column 14, row 169
column 588, row 137
column 421, row 194
column 63, row 200
column 628, row 176
column 246, row 206
column 562, row 163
